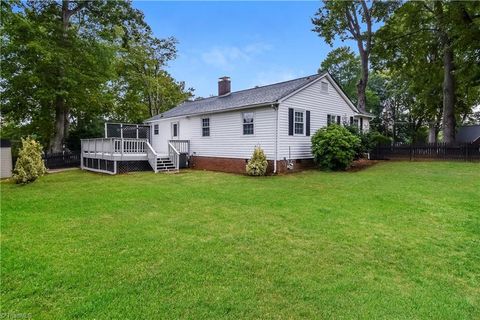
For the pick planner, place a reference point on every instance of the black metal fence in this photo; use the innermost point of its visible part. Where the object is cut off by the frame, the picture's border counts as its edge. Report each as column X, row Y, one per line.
column 428, row 151
column 62, row 160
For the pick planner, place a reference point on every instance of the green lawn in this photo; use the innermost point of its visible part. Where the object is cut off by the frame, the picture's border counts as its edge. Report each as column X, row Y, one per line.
column 397, row 240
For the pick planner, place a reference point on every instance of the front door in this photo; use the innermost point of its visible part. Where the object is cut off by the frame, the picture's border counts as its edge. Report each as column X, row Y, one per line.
column 175, row 130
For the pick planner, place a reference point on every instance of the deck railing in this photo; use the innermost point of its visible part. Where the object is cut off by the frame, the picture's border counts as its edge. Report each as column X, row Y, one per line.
column 110, row 147
column 182, row 146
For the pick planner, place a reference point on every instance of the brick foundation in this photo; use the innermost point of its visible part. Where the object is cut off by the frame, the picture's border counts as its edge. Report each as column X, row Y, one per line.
column 234, row 165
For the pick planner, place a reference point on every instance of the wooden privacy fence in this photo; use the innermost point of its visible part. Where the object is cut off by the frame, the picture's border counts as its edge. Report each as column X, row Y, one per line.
column 427, row 151
column 62, row 160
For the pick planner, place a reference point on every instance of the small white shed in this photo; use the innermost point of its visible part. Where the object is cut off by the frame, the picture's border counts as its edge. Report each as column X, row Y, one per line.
column 5, row 159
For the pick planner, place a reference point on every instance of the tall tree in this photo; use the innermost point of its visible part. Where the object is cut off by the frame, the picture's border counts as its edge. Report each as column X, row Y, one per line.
column 353, row 20
column 345, row 67
column 143, row 80
column 57, row 60
column 434, row 46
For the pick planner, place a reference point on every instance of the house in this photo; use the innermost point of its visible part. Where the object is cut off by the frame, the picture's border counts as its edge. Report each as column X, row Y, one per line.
column 220, row 133
column 5, row 158
column 468, row 134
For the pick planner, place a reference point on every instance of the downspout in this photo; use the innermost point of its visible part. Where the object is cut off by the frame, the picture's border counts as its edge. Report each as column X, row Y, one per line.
column 276, row 138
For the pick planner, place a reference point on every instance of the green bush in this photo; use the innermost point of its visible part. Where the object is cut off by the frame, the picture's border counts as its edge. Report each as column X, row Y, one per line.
column 334, row 147
column 29, row 164
column 257, row 165
column 368, row 140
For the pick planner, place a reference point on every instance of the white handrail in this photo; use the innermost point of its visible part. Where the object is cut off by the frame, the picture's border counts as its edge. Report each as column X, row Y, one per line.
column 174, row 155
column 152, row 157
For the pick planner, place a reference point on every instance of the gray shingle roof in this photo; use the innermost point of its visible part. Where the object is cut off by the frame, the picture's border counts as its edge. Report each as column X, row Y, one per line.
column 244, row 98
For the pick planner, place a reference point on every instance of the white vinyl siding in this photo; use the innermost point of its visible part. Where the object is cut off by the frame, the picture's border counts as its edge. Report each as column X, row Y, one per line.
column 320, row 105
column 226, row 134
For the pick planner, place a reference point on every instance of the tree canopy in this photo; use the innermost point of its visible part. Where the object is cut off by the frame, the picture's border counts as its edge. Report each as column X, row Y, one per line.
column 72, row 63
column 425, row 64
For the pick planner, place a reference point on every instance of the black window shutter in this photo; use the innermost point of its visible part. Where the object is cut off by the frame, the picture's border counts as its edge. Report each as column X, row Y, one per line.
column 338, row 120
column 290, row 121
column 307, row 123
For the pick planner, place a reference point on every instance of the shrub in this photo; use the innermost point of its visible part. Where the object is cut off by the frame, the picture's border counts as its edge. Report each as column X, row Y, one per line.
column 334, row 147
column 378, row 138
column 29, row 164
column 257, row 165
column 368, row 140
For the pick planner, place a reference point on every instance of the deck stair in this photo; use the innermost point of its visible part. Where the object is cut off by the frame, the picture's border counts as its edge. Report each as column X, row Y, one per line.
column 164, row 164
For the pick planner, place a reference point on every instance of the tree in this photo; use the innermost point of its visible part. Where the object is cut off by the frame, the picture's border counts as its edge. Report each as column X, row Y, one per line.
column 143, row 81
column 432, row 46
column 353, row 20
column 344, row 66
column 58, row 61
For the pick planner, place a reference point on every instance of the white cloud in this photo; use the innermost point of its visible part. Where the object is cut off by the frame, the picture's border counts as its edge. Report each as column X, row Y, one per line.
column 226, row 57
column 273, row 76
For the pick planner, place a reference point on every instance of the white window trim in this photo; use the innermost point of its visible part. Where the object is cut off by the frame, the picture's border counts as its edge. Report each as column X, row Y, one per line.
column 202, row 127
column 248, row 135
column 303, row 111
column 157, row 129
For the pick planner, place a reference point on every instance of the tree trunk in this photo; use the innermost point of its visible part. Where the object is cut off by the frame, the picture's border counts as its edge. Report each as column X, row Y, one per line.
column 448, row 95
column 362, row 82
column 448, row 124
column 56, row 143
column 432, row 133
column 61, row 111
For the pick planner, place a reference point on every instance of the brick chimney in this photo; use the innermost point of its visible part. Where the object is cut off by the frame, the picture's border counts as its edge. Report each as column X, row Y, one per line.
column 224, row 86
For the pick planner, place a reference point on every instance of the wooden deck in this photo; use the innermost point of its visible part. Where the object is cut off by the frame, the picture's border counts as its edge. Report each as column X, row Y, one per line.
column 104, row 154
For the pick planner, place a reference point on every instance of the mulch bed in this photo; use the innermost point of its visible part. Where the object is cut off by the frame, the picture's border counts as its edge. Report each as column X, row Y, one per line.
column 361, row 164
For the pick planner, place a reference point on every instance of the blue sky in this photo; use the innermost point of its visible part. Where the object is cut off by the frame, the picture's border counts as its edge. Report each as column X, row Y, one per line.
column 255, row 43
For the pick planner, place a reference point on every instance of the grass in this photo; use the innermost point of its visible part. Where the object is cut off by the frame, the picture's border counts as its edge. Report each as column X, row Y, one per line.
column 396, row 241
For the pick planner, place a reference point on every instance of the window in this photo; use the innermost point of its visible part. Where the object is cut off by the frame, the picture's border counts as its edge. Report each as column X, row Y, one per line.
column 206, row 127
column 324, row 87
column 155, row 129
column 351, row 121
column 248, row 122
column 299, row 122
column 331, row 118
column 175, row 130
